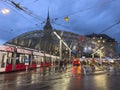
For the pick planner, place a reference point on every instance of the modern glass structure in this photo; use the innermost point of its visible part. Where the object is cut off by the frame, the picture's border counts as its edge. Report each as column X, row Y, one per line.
column 45, row 40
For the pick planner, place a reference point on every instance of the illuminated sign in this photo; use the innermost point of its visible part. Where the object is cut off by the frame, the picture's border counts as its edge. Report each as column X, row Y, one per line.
column 7, row 48
column 38, row 53
column 24, row 51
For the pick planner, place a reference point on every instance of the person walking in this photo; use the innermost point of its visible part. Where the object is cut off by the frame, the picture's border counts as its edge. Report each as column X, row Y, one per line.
column 61, row 65
column 84, row 70
column 56, row 65
column 65, row 64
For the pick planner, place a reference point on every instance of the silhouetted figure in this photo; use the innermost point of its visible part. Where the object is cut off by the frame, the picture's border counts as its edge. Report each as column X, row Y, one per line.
column 61, row 65
column 56, row 62
column 65, row 64
column 56, row 65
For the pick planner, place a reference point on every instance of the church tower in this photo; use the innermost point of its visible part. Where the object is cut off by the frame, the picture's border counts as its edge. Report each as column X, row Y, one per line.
column 47, row 28
column 47, row 40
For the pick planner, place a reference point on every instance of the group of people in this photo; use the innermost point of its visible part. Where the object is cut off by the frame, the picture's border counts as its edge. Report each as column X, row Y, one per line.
column 87, row 68
column 60, row 65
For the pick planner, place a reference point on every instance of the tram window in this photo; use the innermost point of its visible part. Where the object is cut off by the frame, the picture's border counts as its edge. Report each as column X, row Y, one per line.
column 48, row 59
column 38, row 60
column 22, row 58
column 27, row 57
column 42, row 59
column 9, row 58
column 3, row 63
column 35, row 60
column 17, row 58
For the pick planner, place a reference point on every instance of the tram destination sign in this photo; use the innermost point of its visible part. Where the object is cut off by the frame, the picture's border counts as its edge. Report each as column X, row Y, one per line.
column 6, row 48
column 24, row 51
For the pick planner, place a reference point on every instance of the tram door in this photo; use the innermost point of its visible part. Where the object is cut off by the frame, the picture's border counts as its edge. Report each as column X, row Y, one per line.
column 3, row 58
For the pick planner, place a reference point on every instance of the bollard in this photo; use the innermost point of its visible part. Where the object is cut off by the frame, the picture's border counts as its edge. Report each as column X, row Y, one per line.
column 84, row 71
column 26, row 68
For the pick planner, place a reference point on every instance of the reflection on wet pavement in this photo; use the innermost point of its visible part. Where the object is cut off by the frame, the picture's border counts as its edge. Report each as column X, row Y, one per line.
column 76, row 70
column 48, row 79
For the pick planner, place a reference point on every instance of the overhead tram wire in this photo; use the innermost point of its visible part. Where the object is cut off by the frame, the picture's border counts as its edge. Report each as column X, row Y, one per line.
column 17, row 6
column 34, row 16
column 85, row 10
column 61, row 25
column 79, row 12
column 88, row 9
column 108, row 28
column 26, row 11
column 76, row 12
column 64, row 26
column 52, row 22
column 18, row 13
column 30, row 14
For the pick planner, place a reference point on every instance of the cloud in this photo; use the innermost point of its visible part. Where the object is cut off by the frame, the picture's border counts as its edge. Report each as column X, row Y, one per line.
column 85, row 16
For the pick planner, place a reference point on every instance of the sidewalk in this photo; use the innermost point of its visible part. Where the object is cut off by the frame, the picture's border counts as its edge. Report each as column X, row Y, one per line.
column 99, row 70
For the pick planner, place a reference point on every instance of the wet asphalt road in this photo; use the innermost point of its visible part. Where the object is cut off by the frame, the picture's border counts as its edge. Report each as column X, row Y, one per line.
column 71, row 79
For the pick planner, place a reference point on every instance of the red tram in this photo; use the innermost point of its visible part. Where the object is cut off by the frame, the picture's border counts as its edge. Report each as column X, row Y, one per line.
column 16, row 59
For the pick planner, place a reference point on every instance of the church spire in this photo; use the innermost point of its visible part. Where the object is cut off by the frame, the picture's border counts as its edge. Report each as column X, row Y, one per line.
column 48, row 24
column 48, row 18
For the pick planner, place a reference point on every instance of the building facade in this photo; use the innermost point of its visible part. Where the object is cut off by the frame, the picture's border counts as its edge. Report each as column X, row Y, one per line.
column 45, row 40
column 102, row 40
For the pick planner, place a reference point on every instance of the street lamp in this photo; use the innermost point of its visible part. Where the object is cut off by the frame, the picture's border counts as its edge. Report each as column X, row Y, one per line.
column 5, row 11
column 60, row 50
column 69, row 50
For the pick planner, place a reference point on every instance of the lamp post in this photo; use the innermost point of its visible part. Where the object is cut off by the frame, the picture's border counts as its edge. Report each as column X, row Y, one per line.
column 60, row 44
column 70, row 54
column 100, row 54
column 60, row 50
column 69, row 50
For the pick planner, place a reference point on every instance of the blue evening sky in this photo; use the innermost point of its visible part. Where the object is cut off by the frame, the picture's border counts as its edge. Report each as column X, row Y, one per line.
column 85, row 17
